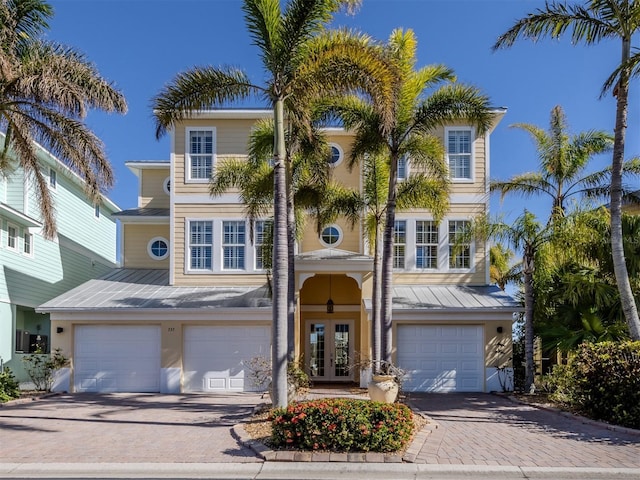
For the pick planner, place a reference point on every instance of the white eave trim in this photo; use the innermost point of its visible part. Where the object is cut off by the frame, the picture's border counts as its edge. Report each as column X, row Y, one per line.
column 18, row 217
column 129, row 219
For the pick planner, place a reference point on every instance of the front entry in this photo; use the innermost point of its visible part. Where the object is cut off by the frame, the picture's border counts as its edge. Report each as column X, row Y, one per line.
column 330, row 350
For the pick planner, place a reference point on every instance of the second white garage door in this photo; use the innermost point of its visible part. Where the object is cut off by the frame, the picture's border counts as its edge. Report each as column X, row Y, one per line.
column 111, row 358
column 441, row 358
column 215, row 356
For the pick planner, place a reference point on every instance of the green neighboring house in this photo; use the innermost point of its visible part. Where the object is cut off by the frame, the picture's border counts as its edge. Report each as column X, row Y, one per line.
column 33, row 269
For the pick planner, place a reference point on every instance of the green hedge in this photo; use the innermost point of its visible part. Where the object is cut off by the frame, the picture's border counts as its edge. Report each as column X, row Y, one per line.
column 606, row 382
column 9, row 386
column 345, row 425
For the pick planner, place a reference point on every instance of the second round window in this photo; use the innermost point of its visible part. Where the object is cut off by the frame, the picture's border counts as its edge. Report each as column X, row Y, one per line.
column 331, row 236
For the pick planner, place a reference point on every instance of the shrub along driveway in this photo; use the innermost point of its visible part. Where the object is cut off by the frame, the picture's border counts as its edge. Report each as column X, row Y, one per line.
column 484, row 429
column 125, row 428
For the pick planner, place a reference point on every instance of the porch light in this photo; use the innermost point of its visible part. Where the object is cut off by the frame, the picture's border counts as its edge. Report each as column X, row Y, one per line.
column 329, row 306
column 329, row 302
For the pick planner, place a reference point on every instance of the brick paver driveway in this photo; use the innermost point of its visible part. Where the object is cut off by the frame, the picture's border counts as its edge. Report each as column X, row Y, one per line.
column 125, row 428
column 484, row 429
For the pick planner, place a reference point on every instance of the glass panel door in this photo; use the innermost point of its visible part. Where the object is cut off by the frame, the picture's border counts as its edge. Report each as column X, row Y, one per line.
column 330, row 350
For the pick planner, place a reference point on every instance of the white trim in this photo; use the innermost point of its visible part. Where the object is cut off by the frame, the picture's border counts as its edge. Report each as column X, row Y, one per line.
column 153, row 220
column 472, row 160
column 118, row 316
column 172, row 199
column 187, row 247
column 187, row 152
column 443, row 246
column 206, row 199
column 150, row 251
column 25, row 234
column 340, row 236
column 16, row 237
column 340, row 150
column 48, row 158
column 231, row 113
column 472, row 248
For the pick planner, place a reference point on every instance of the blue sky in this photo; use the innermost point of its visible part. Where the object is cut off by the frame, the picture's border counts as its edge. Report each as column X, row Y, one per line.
column 140, row 45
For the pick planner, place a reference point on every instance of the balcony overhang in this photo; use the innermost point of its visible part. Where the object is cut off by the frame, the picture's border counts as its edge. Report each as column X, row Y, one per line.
column 18, row 217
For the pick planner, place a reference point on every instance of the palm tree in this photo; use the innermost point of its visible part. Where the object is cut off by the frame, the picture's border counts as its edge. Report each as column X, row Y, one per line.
column 45, row 93
column 527, row 235
column 501, row 270
column 418, row 190
column 418, row 110
column 300, row 58
column 563, row 160
column 598, row 20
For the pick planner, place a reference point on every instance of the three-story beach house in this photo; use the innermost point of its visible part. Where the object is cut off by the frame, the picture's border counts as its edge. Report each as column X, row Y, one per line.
column 190, row 306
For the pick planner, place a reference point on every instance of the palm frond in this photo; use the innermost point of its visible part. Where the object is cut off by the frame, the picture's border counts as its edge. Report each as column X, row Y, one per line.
column 199, row 89
column 455, row 102
column 588, row 25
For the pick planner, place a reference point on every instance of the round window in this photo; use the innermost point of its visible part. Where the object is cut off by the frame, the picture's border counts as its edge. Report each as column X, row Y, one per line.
column 336, row 155
column 331, row 236
column 158, row 248
column 167, row 185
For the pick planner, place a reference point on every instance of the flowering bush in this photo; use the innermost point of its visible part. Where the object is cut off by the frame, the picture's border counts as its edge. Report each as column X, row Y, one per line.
column 342, row 424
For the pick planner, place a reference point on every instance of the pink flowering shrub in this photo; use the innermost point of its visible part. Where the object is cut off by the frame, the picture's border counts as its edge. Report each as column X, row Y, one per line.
column 342, row 424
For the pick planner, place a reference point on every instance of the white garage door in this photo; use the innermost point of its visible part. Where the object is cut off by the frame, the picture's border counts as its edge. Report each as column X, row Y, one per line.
column 111, row 358
column 215, row 357
column 441, row 358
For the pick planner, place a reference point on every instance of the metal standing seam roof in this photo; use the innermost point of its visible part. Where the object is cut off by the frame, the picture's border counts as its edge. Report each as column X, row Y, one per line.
column 451, row 297
column 149, row 289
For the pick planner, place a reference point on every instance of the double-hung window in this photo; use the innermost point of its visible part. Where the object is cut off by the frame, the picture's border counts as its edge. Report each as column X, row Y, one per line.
column 27, row 246
column 459, row 141
column 200, row 148
column 399, row 243
column 426, row 244
column 459, row 249
column 261, row 232
column 200, row 245
column 12, row 237
column 233, row 245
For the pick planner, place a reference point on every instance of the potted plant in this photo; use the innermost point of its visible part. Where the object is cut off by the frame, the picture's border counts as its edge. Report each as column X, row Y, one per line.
column 385, row 383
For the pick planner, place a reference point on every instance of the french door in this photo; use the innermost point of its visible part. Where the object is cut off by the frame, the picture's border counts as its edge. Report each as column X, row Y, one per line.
column 330, row 350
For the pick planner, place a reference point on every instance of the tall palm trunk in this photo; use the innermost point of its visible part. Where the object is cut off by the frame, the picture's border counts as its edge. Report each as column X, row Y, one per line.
column 528, row 268
column 387, row 262
column 619, row 263
column 280, row 263
column 291, row 284
column 376, row 327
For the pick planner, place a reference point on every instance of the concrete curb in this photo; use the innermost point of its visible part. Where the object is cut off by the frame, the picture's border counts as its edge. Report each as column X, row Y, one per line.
column 300, row 470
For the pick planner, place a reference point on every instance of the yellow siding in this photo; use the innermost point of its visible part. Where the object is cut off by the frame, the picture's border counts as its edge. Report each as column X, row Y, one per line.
column 351, row 237
column 231, row 142
column 208, row 211
column 136, row 239
column 152, row 193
